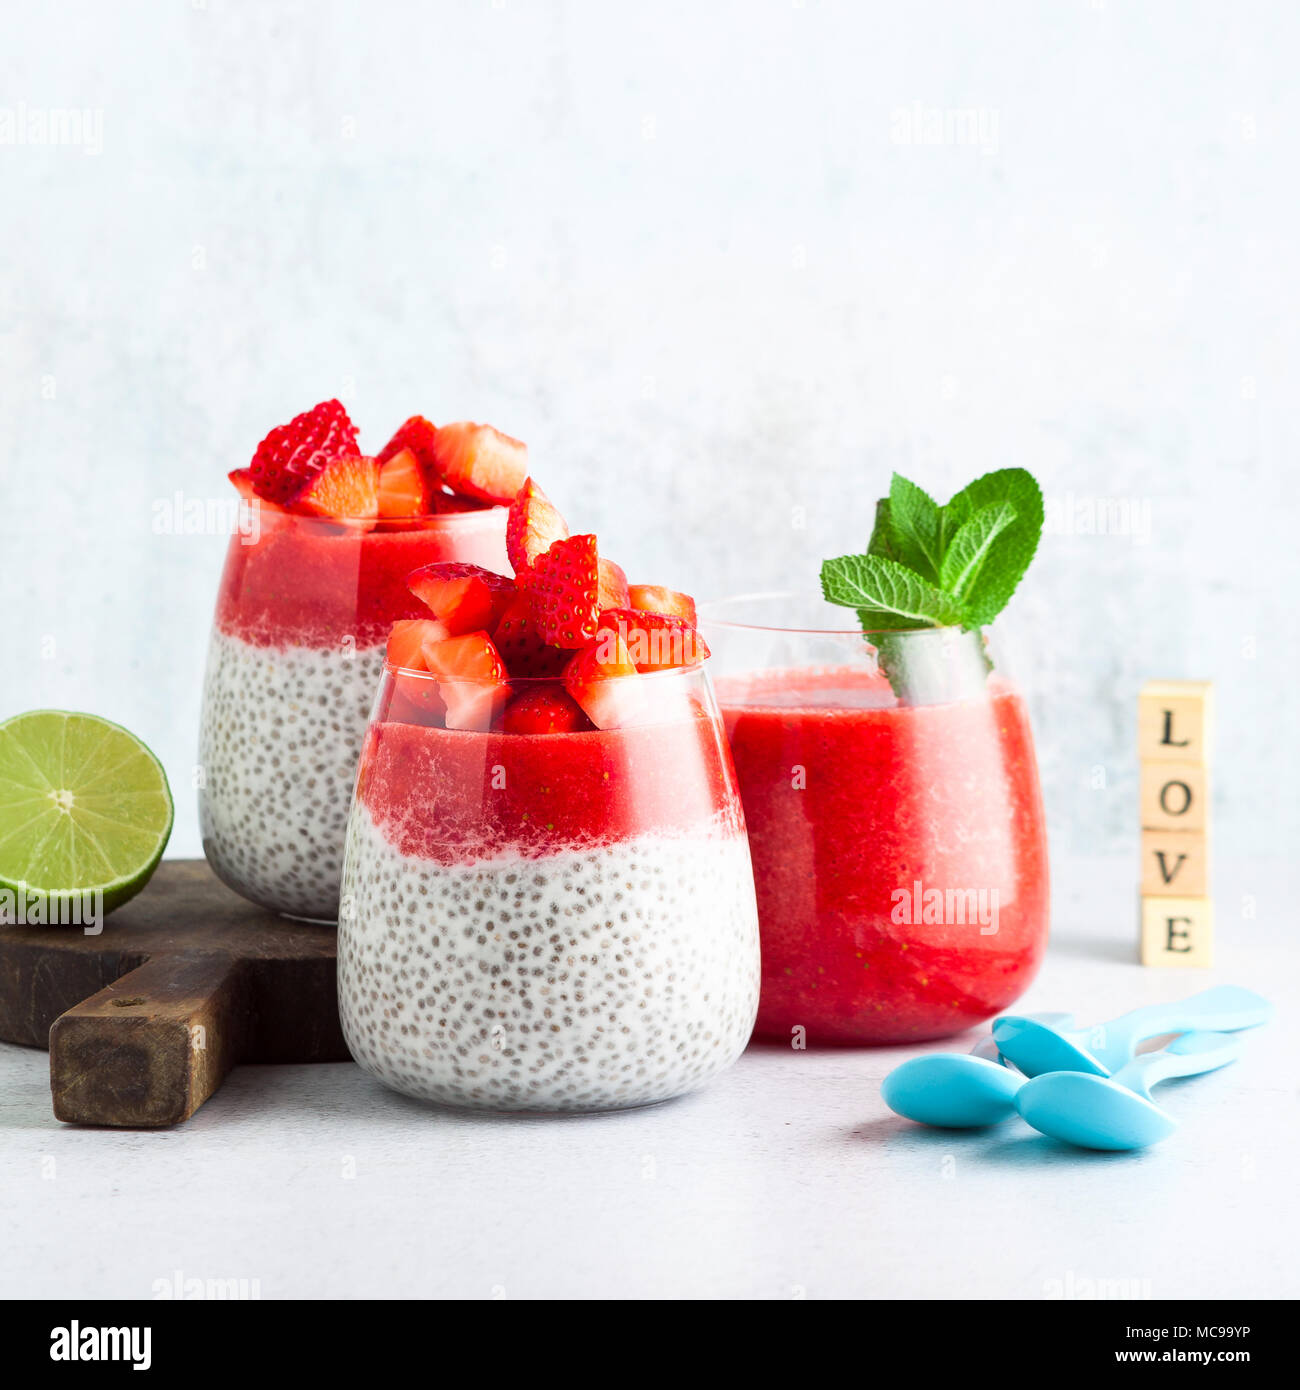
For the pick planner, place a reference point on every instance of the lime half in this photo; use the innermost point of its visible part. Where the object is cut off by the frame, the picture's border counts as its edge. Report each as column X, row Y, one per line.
column 84, row 810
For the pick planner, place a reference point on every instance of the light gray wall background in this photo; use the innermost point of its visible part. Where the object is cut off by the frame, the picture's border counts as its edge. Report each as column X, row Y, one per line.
column 708, row 260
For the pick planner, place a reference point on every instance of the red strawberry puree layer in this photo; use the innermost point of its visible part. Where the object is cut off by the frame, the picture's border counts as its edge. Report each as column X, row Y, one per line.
column 306, row 582
column 460, row 797
column 851, row 799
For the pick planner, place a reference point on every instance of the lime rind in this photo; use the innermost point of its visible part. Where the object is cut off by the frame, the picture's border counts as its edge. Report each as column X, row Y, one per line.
column 84, row 809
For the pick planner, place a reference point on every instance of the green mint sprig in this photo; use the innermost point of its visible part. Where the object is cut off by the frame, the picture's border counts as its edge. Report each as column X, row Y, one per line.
column 928, row 566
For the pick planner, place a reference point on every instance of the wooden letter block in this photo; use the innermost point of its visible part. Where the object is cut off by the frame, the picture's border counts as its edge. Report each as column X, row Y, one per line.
column 1174, row 721
column 1173, row 796
column 1175, row 864
column 1177, row 931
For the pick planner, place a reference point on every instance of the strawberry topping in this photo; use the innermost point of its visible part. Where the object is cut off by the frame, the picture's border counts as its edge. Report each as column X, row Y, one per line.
column 565, row 589
column 545, row 711
column 464, row 598
column 407, row 639
column 471, row 679
column 612, row 591
column 603, row 680
column 345, row 487
column 417, row 436
column 533, row 527
column 403, row 490
column 480, row 461
column 655, row 641
column 521, row 645
column 293, row 454
column 650, row 598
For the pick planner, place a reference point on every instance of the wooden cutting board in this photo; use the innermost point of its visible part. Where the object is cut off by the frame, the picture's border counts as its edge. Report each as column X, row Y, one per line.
column 144, row 1021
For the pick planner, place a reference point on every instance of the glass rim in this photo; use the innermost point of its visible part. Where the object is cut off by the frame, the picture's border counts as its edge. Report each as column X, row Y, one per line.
column 430, row 521
column 392, row 669
column 774, row 595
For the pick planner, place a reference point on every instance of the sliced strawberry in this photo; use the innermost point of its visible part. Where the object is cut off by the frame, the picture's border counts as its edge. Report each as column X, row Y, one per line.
column 521, row 645
column 415, row 699
column 463, row 597
column 479, row 461
column 407, row 638
column 565, row 589
column 655, row 641
column 533, row 527
column 650, row 598
column 417, row 436
column 345, row 487
column 243, row 481
column 471, row 679
column 293, row 454
column 448, row 502
column 612, row 591
column 545, row 711
column 403, row 490
column 603, row 680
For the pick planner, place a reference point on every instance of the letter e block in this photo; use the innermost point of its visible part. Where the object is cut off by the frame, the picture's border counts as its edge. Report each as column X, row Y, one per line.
column 1174, row 720
column 1177, row 931
column 1175, row 864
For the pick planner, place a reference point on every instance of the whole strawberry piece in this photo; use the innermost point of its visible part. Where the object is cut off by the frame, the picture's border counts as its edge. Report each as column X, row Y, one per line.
column 293, row 454
column 565, row 590
column 534, row 525
column 545, row 711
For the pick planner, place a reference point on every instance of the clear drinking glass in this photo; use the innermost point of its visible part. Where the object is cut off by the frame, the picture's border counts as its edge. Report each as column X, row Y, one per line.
column 559, row 921
column 899, row 846
column 303, row 615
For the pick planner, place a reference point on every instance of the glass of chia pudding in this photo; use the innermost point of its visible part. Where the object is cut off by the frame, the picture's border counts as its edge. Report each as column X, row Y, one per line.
column 310, row 589
column 548, row 902
column 895, row 819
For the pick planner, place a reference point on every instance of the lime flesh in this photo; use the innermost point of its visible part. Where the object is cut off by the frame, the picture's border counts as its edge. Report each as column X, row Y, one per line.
column 84, row 809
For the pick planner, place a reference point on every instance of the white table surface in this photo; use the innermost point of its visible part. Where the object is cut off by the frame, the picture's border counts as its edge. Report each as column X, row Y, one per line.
column 786, row 1178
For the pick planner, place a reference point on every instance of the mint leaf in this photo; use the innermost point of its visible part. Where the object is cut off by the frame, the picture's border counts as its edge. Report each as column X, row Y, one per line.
column 887, row 594
column 911, row 528
column 882, row 536
column 987, row 591
column 971, row 546
column 934, row 569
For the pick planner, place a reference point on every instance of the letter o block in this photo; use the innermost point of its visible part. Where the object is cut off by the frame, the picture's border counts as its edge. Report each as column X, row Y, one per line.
column 1173, row 796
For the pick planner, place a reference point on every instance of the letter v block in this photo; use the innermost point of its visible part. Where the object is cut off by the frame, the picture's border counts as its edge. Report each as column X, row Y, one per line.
column 1175, row 864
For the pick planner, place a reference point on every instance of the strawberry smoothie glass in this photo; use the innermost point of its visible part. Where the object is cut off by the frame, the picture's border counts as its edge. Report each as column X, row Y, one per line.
column 303, row 614
column 546, row 921
column 899, row 847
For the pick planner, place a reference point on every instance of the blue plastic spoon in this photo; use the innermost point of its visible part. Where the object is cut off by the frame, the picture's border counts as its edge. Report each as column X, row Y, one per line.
column 987, row 1047
column 1117, row 1112
column 1036, row 1047
column 956, row 1090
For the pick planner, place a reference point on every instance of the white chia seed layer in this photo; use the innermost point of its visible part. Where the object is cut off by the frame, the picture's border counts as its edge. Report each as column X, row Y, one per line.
column 591, row 979
column 281, row 732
